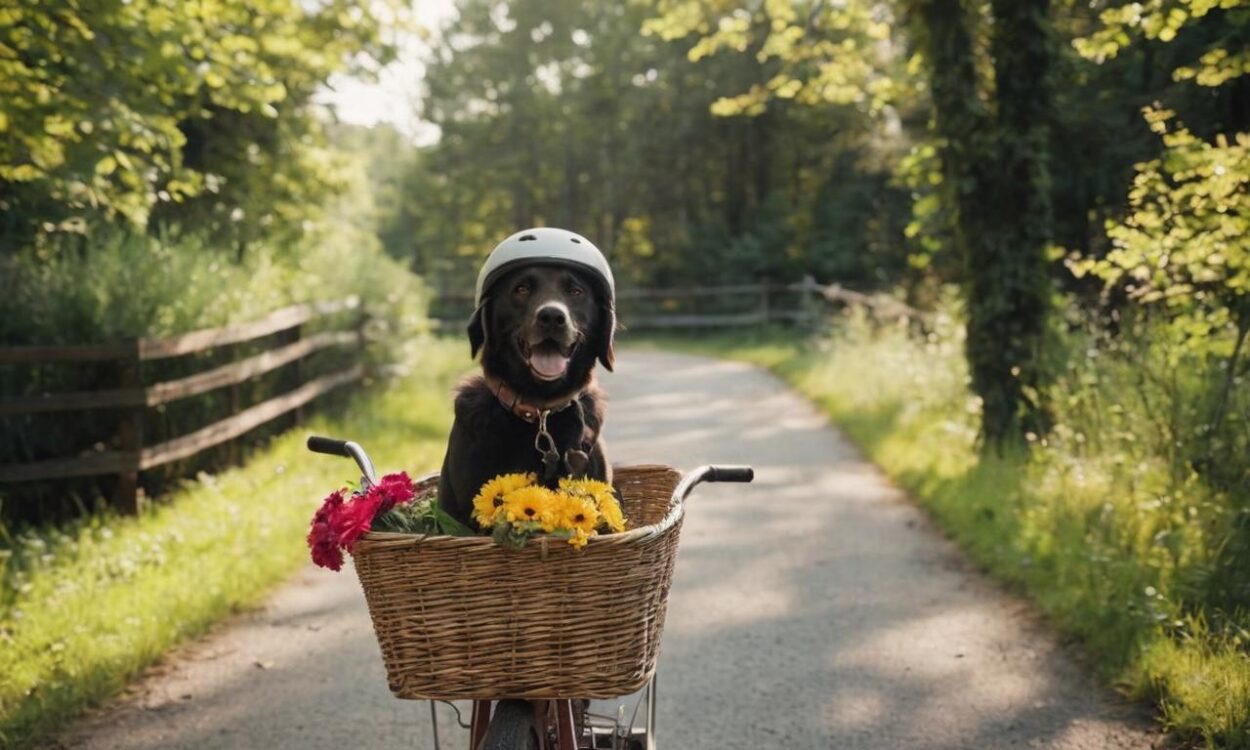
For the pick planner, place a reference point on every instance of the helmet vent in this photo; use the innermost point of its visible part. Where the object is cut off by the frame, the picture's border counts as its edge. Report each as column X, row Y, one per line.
column 574, row 239
column 527, row 238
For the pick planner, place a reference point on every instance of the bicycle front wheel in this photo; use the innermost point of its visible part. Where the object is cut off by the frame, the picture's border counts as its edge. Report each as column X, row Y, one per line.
column 511, row 727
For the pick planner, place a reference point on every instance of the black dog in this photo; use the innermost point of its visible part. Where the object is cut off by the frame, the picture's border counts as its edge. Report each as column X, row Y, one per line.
column 540, row 329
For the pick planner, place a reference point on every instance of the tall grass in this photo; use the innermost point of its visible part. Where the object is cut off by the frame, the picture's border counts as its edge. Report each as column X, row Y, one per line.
column 88, row 605
column 117, row 284
column 1119, row 538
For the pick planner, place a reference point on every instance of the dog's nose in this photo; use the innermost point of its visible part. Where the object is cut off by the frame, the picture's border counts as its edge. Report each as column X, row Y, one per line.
column 552, row 316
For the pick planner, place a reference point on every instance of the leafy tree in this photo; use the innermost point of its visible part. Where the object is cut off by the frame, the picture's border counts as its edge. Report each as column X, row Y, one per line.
column 826, row 53
column 580, row 120
column 199, row 113
column 1222, row 57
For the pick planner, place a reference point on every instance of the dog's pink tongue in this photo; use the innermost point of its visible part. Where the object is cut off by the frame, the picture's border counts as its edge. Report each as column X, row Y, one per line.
column 549, row 364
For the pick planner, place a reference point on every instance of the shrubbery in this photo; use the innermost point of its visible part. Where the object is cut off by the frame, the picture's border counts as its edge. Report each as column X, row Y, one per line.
column 116, row 284
column 1119, row 522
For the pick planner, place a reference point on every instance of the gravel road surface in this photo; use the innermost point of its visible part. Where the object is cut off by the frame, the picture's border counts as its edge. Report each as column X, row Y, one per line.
column 817, row 608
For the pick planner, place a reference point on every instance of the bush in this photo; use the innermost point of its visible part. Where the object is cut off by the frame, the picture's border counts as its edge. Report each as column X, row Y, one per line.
column 1108, row 522
column 111, row 285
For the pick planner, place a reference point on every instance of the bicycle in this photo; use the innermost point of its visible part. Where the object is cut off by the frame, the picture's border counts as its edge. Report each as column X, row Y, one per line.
column 519, row 711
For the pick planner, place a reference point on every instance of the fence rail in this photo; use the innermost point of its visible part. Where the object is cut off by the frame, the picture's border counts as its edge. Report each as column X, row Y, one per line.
column 132, row 396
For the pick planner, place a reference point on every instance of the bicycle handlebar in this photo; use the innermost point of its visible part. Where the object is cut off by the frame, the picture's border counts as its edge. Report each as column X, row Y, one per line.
column 328, row 446
column 730, row 474
column 712, row 474
column 347, row 449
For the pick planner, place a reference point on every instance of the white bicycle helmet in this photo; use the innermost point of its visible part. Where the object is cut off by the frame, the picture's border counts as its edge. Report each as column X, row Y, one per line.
column 546, row 245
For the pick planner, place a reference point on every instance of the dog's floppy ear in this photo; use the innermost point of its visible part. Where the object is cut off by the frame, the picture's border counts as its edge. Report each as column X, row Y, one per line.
column 477, row 330
column 607, row 337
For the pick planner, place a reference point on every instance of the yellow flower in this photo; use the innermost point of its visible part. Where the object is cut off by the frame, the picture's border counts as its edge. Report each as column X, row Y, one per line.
column 604, row 498
column 579, row 538
column 489, row 501
column 610, row 513
column 529, row 504
column 577, row 514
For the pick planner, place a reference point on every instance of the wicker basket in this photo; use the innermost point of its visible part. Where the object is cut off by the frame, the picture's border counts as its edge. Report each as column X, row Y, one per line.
column 460, row 617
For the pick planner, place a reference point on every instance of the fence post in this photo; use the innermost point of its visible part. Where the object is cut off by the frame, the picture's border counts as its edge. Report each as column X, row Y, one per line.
column 362, row 344
column 297, row 371
column 128, row 496
column 235, row 396
column 808, row 289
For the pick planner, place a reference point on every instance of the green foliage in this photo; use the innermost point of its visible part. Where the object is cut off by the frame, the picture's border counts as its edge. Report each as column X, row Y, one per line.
column 514, row 536
column 421, row 517
column 85, row 607
column 1181, row 258
column 568, row 115
column 1221, row 59
column 383, row 196
column 200, row 114
column 825, row 53
column 55, row 293
column 1183, row 243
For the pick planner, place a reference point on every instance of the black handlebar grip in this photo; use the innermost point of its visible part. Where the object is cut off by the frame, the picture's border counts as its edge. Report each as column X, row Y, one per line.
column 329, row 446
column 731, row 474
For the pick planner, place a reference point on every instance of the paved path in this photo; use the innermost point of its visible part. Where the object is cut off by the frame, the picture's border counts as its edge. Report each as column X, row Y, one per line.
column 817, row 608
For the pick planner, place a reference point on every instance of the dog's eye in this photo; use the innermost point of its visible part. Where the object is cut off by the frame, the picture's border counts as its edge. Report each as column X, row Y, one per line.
column 576, row 291
column 521, row 289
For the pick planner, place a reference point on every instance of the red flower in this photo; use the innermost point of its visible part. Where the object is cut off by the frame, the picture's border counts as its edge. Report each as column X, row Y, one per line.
column 338, row 524
column 327, row 555
column 356, row 517
column 396, row 489
column 322, row 540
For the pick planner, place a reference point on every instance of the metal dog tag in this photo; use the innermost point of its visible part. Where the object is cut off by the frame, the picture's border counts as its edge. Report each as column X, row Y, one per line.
column 576, row 462
column 551, row 465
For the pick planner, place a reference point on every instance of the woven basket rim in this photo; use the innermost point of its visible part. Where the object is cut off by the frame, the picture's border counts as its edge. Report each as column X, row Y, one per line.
column 383, row 539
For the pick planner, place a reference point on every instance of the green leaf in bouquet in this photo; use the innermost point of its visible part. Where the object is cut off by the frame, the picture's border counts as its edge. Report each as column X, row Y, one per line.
column 509, row 536
column 447, row 524
column 409, row 518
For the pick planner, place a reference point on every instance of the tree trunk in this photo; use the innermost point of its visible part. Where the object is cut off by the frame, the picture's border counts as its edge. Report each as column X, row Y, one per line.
column 996, row 181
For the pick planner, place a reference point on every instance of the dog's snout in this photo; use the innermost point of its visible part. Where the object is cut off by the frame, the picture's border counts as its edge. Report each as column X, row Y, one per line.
column 553, row 316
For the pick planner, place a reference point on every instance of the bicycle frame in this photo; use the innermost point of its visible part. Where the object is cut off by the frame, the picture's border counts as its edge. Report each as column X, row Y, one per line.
column 557, row 723
column 557, row 714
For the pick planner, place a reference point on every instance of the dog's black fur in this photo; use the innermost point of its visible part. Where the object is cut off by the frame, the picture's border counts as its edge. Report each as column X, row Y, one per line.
column 486, row 438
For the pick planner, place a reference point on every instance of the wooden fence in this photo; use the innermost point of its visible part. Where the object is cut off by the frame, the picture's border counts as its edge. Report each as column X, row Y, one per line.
column 133, row 396
column 805, row 303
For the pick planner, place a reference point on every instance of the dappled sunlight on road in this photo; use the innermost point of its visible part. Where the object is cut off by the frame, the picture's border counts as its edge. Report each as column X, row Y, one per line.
column 817, row 607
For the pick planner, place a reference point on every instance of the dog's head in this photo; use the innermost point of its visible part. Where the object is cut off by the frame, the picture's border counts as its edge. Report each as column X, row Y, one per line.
column 540, row 328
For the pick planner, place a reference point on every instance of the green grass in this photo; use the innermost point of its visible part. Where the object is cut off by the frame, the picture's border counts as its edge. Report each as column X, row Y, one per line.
column 1108, row 542
column 87, row 608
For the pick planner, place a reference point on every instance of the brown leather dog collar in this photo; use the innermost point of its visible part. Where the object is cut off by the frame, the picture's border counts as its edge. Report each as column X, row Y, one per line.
column 511, row 400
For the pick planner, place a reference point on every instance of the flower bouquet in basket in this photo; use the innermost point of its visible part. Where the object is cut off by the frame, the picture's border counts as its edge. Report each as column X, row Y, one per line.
column 510, row 508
